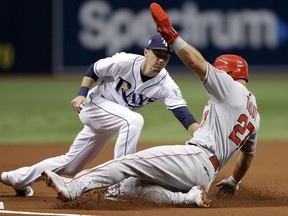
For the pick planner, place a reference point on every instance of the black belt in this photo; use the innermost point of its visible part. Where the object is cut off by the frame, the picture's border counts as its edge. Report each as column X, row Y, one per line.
column 213, row 159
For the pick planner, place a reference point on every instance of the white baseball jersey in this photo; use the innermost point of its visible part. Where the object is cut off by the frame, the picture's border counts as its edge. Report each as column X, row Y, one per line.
column 123, row 85
column 107, row 112
column 229, row 119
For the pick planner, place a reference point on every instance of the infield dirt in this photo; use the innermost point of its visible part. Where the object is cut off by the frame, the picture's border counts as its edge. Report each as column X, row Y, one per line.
column 264, row 190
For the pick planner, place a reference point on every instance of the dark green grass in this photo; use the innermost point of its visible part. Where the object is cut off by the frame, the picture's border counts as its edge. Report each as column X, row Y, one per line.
column 38, row 110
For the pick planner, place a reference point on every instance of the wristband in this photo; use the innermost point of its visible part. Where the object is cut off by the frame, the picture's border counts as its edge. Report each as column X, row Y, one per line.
column 178, row 44
column 234, row 181
column 83, row 91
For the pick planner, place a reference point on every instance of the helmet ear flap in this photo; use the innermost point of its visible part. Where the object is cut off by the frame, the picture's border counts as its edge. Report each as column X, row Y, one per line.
column 233, row 65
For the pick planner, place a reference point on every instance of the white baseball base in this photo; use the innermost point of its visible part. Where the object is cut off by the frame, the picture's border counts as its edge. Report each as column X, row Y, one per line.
column 1, row 205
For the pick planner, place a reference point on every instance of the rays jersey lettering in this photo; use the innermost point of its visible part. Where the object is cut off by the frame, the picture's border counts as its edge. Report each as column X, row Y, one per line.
column 131, row 99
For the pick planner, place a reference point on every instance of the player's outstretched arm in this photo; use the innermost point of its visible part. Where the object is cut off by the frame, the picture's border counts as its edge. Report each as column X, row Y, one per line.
column 242, row 165
column 190, row 56
column 229, row 186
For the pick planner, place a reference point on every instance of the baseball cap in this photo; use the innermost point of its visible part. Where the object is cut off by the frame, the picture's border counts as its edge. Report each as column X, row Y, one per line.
column 157, row 42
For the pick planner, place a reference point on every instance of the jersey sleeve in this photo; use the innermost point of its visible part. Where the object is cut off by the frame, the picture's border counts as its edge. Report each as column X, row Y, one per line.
column 250, row 146
column 172, row 95
column 103, row 67
column 217, row 83
column 109, row 66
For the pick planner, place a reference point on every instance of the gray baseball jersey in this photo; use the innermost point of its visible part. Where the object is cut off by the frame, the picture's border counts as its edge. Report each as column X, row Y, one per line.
column 230, row 119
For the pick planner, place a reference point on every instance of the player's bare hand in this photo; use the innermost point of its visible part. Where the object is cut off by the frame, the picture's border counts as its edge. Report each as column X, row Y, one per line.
column 192, row 128
column 228, row 187
column 78, row 103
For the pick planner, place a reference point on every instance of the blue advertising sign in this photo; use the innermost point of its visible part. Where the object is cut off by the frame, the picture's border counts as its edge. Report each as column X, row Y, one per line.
column 25, row 37
column 87, row 30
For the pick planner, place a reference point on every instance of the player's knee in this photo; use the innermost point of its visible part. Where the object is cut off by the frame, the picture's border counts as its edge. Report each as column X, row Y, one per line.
column 137, row 121
column 71, row 171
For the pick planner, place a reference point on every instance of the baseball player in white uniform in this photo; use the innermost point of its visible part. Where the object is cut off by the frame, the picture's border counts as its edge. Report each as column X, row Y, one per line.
column 182, row 174
column 129, row 82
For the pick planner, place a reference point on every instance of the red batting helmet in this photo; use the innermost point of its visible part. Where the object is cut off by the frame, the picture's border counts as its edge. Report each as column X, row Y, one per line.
column 234, row 65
